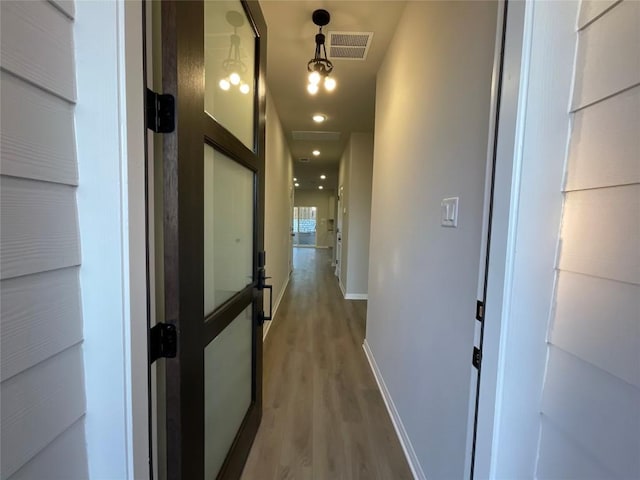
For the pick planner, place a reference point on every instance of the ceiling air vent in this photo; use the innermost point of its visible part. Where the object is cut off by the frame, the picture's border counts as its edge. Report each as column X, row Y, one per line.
column 304, row 160
column 315, row 136
column 349, row 45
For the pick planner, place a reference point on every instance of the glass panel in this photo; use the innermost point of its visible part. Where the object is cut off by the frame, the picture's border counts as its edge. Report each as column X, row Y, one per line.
column 228, row 228
column 227, row 389
column 229, row 61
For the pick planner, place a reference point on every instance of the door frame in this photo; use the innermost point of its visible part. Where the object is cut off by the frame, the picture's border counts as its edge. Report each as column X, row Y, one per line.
column 504, row 173
column 528, row 199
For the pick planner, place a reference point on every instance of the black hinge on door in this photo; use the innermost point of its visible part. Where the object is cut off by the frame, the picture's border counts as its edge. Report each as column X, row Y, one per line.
column 477, row 357
column 163, row 341
column 161, row 112
column 479, row 311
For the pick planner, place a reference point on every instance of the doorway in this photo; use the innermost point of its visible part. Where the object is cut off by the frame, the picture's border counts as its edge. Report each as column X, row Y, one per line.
column 304, row 227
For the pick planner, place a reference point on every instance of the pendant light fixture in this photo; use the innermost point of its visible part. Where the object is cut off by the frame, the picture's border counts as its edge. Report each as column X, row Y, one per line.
column 233, row 65
column 319, row 67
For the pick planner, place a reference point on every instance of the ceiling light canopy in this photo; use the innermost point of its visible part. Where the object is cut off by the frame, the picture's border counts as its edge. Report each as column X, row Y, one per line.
column 319, row 67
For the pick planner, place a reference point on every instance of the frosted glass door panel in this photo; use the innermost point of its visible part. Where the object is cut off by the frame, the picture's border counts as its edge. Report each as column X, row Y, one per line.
column 227, row 389
column 228, row 228
column 229, row 81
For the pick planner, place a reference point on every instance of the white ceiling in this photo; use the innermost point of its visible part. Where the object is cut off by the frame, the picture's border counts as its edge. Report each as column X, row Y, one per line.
column 350, row 107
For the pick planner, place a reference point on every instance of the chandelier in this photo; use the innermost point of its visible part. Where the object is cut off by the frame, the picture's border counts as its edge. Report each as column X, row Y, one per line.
column 233, row 65
column 319, row 67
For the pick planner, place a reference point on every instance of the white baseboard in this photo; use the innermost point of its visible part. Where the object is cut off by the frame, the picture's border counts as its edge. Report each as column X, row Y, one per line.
column 267, row 325
column 356, row 296
column 409, row 452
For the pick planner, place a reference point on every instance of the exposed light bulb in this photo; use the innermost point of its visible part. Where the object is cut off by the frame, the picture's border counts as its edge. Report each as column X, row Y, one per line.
column 234, row 78
column 319, row 118
column 224, row 84
column 316, row 153
column 295, row 179
column 312, row 88
column 244, row 88
column 322, row 177
column 320, row 187
column 314, row 77
column 329, row 84
column 297, row 184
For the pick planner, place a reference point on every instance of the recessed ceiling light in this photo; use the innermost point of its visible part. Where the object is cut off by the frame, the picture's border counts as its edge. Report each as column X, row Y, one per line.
column 295, row 179
column 322, row 177
column 320, row 187
column 316, row 152
column 319, row 118
column 297, row 184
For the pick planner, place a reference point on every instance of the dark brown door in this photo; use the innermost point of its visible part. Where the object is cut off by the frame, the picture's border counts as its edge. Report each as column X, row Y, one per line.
column 213, row 59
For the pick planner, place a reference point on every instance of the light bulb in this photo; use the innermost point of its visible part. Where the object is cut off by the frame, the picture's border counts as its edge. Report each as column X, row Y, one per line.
column 312, row 88
column 319, row 118
column 322, row 177
column 316, row 153
column 244, row 88
column 329, row 84
column 295, row 179
column 314, row 77
column 320, row 187
column 297, row 184
column 224, row 84
column 234, row 78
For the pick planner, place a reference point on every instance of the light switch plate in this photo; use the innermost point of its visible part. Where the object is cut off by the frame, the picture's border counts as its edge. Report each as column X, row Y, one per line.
column 449, row 212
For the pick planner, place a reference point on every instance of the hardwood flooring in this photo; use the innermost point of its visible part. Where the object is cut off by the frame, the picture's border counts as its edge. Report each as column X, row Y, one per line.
column 324, row 417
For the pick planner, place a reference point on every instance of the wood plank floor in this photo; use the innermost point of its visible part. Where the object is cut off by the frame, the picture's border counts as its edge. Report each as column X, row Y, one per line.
column 324, row 417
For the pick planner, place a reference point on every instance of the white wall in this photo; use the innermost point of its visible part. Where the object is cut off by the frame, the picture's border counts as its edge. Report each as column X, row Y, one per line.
column 590, row 407
column 359, row 214
column 355, row 175
column 320, row 199
column 45, row 431
column 43, row 383
column 430, row 143
column 278, row 210
column 344, row 170
column 567, row 397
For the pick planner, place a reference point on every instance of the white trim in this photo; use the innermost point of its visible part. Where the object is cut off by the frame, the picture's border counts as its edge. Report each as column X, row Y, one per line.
column 275, row 308
column 491, row 148
column 356, row 296
column 110, row 142
column 507, row 178
column 342, row 289
column 132, row 128
column 403, row 437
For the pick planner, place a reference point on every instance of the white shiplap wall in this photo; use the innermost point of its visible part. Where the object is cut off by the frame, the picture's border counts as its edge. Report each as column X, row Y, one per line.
column 42, row 389
column 590, row 424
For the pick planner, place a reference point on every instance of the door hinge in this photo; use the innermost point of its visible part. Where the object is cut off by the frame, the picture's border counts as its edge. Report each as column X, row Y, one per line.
column 161, row 112
column 163, row 341
column 477, row 357
column 479, row 310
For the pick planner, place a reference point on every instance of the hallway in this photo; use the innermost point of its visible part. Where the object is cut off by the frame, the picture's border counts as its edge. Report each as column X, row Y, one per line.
column 323, row 415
